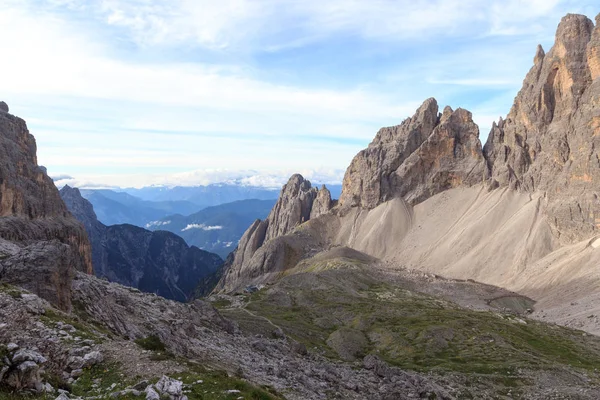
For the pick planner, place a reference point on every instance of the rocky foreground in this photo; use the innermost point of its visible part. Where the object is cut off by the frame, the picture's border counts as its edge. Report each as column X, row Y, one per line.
column 307, row 337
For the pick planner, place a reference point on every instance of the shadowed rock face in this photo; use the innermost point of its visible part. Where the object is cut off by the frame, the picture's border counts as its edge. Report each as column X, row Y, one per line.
column 549, row 140
column 45, row 240
column 152, row 261
column 83, row 210
column 426, row 154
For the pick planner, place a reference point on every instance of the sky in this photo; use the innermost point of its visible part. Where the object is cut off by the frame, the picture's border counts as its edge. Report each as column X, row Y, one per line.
column 133, row 93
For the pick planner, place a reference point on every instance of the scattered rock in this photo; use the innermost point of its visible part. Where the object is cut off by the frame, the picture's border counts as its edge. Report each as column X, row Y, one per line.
column 278, row 333
column 91, row 359
column 151, row 394
column 170, row 387
column 12, row 347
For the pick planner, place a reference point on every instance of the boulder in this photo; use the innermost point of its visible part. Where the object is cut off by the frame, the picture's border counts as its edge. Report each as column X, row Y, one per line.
column 171, row 388
column 91, row 359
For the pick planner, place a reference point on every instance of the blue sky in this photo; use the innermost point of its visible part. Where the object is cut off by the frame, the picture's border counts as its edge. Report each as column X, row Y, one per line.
column 139, row 92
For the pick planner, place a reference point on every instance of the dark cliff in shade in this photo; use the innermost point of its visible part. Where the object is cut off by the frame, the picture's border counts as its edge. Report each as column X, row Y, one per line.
column 153, row 261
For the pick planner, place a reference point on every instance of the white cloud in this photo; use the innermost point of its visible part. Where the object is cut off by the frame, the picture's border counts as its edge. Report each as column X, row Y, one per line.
column 109, row 106
column 263, row 179
column 272, row 24
column 73, row 67
column 202, row 226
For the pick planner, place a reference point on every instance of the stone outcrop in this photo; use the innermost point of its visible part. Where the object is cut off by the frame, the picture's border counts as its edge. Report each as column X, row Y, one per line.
column 426, row 154
column 593, row 51
column 46, row 239
column 152, row 261
column 549, row 140
column 322, row 203
column 298, row 202
column 292, row 208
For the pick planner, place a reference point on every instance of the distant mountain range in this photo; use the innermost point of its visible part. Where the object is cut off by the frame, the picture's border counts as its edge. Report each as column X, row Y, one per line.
column 216, row 229
column 212, row 217
column 156, row 262
column 213, row 195
column 114, row 208
column 147, row 205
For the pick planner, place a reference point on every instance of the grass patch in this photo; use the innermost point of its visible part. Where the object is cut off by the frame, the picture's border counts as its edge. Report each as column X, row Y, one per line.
column 221, row 303
column 101, row 380
column 3, row 353
column 418, row 332
column 85, row 331
column 152, row 343
column 10, row 290
column 215, row 384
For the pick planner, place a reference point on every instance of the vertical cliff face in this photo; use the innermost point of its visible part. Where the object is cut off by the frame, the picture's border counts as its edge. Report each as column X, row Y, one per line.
column 25, row 189
column 549, row 140
column 41, row 240
column 426, row 154
column 593, row 51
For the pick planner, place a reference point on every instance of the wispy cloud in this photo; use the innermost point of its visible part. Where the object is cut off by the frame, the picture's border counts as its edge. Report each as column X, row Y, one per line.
column 203, row 227
column 131, row 92
column 256, row 25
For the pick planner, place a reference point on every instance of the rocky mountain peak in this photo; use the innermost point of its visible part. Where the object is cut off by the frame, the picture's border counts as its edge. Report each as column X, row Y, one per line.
column 548, row 140
column 322, row 203
column 573, row 32
column 292, row 208
column 298, row 202
column 25, row 189
column 422, row 156
column 3, row 107
column 539, row 55
column 80, row 207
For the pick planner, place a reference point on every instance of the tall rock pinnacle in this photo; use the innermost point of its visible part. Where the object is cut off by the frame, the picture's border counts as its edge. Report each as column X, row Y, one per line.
column 298, row 202
column 549, row 139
